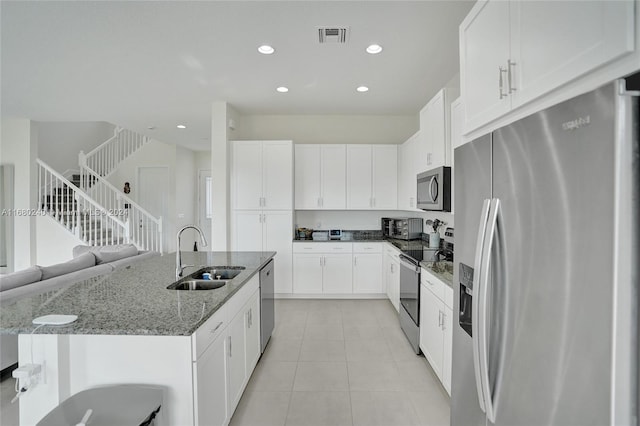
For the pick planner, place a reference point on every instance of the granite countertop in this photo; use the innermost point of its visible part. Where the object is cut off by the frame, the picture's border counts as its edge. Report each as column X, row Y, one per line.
column 134, row 300
column 441, row 270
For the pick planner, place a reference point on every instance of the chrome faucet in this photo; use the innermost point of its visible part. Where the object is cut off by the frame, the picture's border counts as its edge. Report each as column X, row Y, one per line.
column 179, row 266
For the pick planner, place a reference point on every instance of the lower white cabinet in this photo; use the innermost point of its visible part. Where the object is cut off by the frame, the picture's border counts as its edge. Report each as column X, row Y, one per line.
column 236, row 355
column 391, row 265
column 436, row 321
column 320, row 273
column 367, row 273
column 210, row 376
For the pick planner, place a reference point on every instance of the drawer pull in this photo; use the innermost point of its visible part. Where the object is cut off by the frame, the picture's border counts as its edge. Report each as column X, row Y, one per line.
column 216, row 328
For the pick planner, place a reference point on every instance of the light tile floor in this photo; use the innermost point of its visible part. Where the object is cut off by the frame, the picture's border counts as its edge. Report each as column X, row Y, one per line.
column 330, row 363
column 341, row 362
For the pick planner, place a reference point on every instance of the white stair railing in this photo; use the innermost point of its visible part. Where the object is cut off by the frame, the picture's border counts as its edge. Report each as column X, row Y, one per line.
column 106, row 157
column 76, row 211
column 145, row 230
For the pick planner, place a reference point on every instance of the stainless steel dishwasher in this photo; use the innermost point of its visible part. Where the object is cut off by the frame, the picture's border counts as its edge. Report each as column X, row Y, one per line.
column 267, row 311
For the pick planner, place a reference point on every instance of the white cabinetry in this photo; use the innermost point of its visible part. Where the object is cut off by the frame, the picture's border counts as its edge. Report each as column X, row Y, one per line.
column 320, row 177
column 372, row 177
column 263, row 230
column 435, row 139
column 391, row 264
column 322, row 268
column 262, row 196
column 436, row 320
column 367, row 268
column 502, row 64
column 236, row 355
column 210, row 374
column 262, row 175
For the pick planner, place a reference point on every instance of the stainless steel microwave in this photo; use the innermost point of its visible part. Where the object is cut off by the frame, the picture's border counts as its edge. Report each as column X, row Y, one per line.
column 434, row 190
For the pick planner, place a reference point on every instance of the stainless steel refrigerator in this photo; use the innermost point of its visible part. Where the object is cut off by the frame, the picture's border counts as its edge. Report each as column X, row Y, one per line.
column 546, row 267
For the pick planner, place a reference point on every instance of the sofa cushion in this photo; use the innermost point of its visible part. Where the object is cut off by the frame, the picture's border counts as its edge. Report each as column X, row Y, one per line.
column 106, row 254
column 83, row 261
column 20, row 278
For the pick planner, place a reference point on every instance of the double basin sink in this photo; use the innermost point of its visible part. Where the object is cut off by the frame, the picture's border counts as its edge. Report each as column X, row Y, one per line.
column 208, row 278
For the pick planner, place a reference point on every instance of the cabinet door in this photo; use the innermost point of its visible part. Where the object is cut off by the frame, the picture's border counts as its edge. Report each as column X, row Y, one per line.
column 359, row 175
column 247, row 174
column 278, row 237
column 386, row 268
column 456, row 123
column 437, row 120
column 247, row 230
column 210, row 372
column 577, row 38
column 252, row 332
column 236, row 351
column 367, row 273
column 307, row 273
column 337, row 273
column 385, row 177
column 395, row 284
column 308, row 177
column 484, row 50
column 447, row 352
column 334, row 177
column 403, row 175
column 430, row 328
column 277, row 166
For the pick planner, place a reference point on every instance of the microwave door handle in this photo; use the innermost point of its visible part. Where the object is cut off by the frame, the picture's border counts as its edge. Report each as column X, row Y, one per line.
column 475, row 301
column 433, row 189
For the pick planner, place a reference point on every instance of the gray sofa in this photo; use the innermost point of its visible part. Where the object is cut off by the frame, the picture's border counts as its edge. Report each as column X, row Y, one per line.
column 87, row 262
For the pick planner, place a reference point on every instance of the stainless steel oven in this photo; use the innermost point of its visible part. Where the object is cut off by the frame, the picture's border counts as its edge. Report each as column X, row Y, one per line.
column 410, row 300
column 434, row 189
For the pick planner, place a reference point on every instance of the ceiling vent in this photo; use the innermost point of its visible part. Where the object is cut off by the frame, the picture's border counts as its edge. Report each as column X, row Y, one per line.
column 339, row 35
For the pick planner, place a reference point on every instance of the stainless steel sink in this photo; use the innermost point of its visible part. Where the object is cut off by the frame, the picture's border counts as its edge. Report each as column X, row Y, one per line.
column 218, row 272
column 197, row 284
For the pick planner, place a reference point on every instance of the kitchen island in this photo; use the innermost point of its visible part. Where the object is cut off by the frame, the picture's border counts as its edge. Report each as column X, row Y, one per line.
column 198, row 345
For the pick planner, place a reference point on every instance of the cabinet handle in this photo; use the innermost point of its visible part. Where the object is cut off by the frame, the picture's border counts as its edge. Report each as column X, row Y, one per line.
column 355, row 260
column 321, row 201
column 229, row 346
column 501, row 71
column 320, row 260
column 216, row 328
column 509, row 76
column 318, row 202
column 443, row 317
column 440, row 319
column 392, row 268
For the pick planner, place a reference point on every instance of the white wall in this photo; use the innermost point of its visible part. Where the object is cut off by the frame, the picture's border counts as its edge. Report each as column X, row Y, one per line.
column 186, row 196
column 18, row 147
column 60, row 142
column 49, row 231
column 374, row 129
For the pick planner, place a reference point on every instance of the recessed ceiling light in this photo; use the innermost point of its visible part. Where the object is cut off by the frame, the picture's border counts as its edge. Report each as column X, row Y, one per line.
column 265, row 49
column 181, row 126
column 374, row 49
column 151, row 127
column 282, row 89
column 362, row 89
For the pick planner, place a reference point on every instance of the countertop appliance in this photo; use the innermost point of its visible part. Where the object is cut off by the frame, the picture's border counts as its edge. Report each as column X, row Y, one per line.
column 267, row 309
column 548, row 330
column 434, row 189
column 409, row 312
column 335, row 234
column 402, row 228
column 320, row 236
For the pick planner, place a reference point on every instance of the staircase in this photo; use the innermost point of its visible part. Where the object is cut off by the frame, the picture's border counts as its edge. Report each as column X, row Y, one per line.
column 93, row 209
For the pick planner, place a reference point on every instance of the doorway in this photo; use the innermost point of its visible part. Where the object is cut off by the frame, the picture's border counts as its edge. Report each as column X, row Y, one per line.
column 152, row 193
column 205, row 203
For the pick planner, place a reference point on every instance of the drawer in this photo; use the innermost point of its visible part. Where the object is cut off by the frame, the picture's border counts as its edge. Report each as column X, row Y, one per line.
column 322, row 247
column 209, row 331
column 432, row 283
column 448, row 296
column 367, row 247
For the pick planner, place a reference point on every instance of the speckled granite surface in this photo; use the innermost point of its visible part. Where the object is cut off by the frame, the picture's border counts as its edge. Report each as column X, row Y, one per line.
column 437, row 269
column 134, row 300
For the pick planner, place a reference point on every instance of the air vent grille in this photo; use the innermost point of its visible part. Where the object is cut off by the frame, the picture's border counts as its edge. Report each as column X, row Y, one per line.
column 339, row 35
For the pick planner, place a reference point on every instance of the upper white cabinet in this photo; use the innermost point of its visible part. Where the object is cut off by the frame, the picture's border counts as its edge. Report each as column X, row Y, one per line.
column 320, row 177
column 435, row 142
column 262, row 175
column 372, row 176
column 512, row 52
column 410, row 163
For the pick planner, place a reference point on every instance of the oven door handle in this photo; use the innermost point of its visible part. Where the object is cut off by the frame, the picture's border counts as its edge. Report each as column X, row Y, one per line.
column 409, row 263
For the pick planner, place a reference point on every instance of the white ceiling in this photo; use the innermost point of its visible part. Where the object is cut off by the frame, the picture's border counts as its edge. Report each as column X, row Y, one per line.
column 161, row 63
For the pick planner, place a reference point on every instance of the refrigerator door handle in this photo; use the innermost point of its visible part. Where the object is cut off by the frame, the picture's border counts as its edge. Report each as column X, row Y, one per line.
column 475, row 308
column 482, row 295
